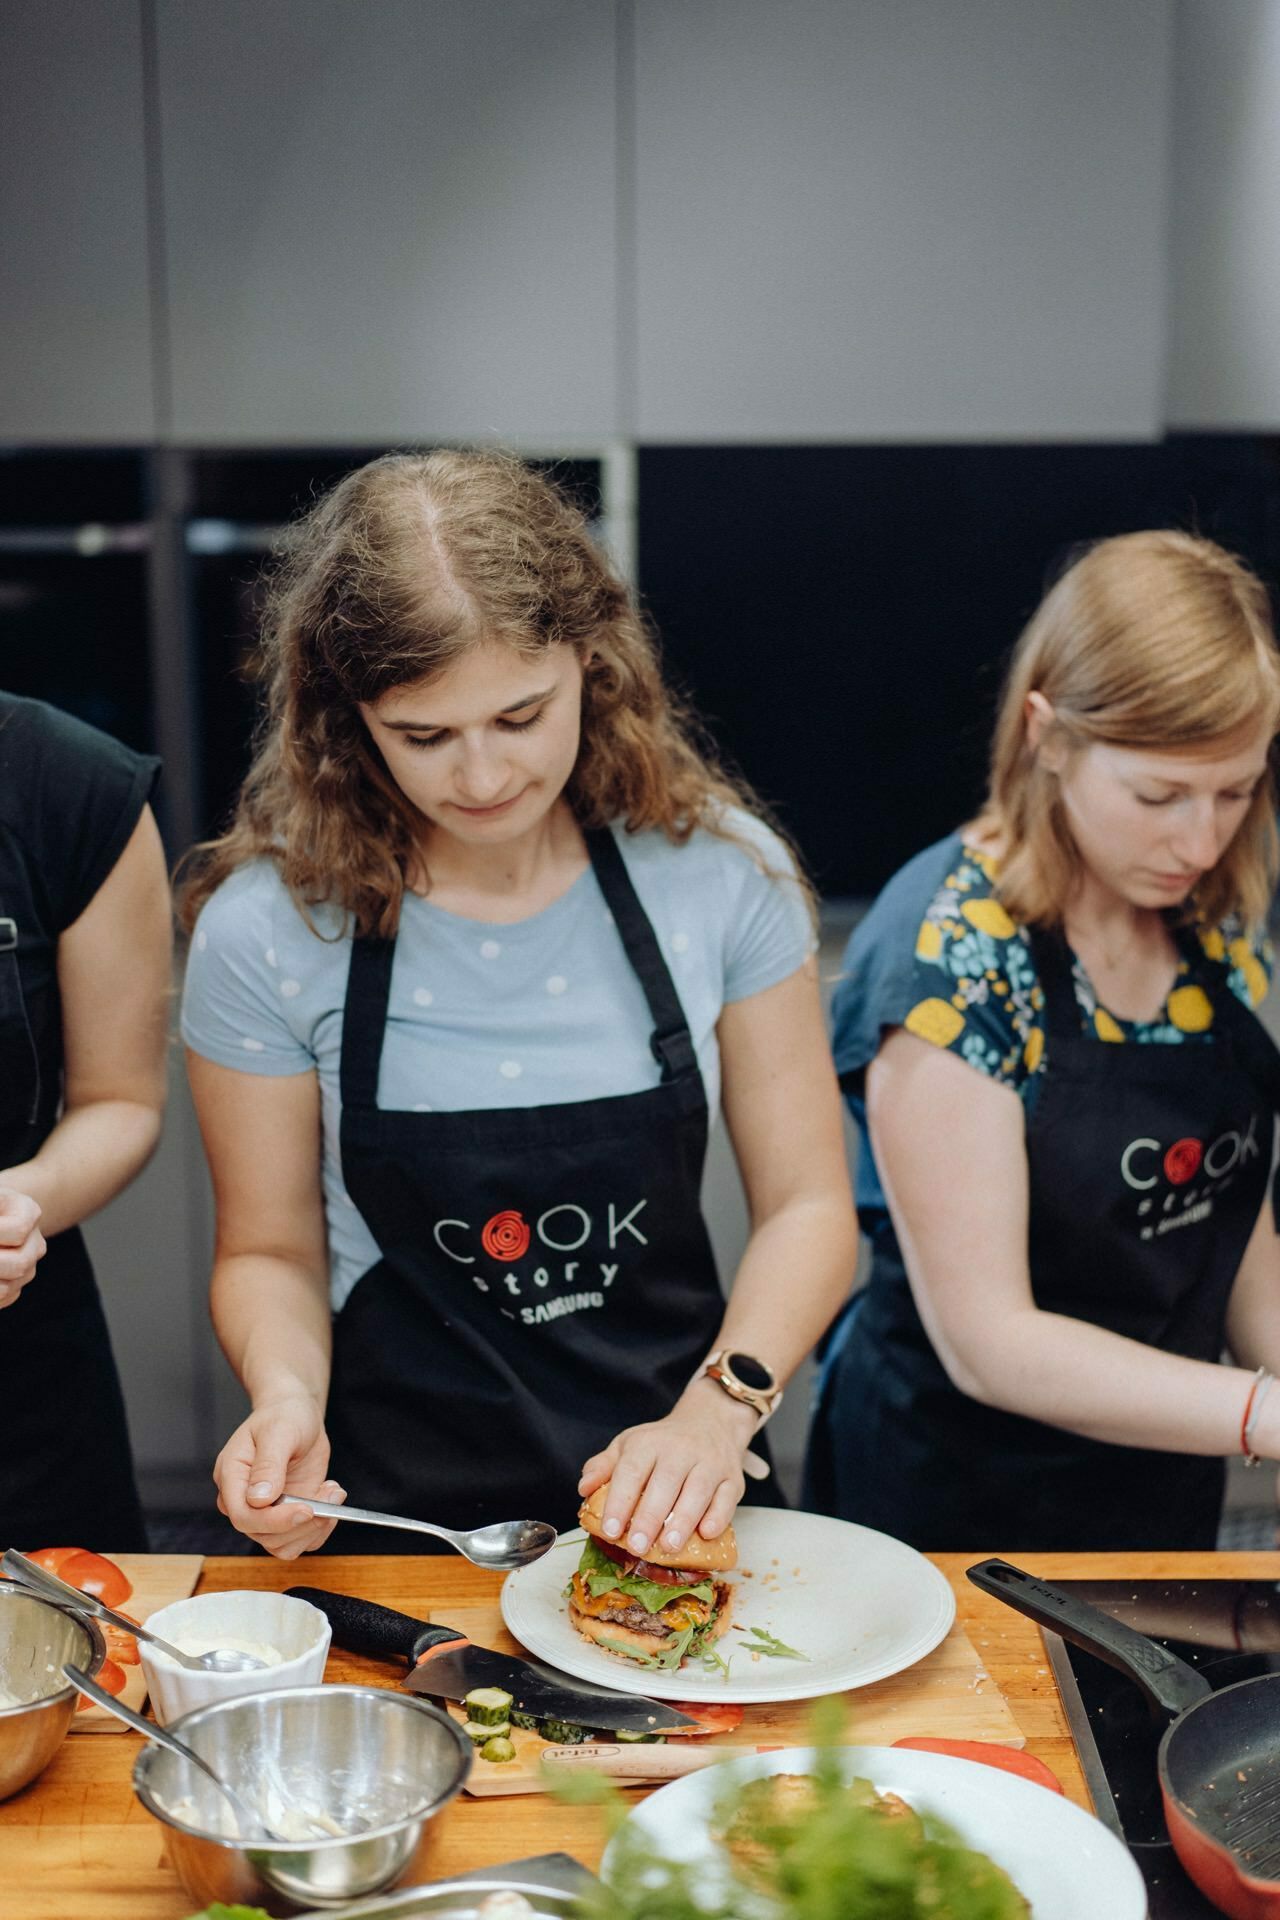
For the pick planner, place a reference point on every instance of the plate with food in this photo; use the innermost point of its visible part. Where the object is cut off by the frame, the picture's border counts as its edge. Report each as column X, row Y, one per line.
column 868, row 1823
column 783, row 1606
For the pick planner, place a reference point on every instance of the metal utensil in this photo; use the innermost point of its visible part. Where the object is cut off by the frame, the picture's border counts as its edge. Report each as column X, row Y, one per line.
column 383, row 1768
column 36, row 1636
column 248, row 1822
column 444, row 1662
column 503, row 1546
column 49, row 1587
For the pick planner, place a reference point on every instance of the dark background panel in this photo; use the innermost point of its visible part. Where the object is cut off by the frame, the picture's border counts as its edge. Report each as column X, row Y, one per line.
column 842, row 615
column 73, row 631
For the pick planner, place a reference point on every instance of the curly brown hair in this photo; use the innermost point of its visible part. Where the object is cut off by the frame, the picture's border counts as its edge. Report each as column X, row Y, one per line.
column 394, row 574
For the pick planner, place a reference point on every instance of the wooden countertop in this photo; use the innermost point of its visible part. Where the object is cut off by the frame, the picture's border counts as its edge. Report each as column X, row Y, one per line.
column 76, row 1846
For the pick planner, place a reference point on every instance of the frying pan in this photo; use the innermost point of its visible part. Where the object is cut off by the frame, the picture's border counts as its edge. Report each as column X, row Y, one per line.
column 1219, row 1759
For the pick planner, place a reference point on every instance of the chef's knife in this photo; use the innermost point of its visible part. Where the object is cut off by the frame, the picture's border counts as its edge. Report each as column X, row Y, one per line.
column 444, row 1661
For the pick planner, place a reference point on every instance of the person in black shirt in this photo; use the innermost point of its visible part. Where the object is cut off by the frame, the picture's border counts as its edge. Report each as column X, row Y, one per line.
column 85, row 945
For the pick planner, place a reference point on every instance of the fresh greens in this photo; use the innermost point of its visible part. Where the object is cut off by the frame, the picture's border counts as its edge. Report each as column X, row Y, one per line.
column 714, row 1662
column 218, row 1912
column 602, row 1575
column 757, row 1640
column 841, row 1856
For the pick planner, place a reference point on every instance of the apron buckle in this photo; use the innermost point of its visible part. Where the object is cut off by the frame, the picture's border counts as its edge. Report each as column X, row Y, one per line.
column 8, row 934
column 674, row 1052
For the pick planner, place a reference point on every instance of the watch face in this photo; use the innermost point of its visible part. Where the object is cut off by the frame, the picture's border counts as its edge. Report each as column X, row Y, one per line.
column 752, row 1373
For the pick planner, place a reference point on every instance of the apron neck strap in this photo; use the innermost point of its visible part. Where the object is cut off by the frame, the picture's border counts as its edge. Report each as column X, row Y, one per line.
column 1051, row 957
column 671, row 1041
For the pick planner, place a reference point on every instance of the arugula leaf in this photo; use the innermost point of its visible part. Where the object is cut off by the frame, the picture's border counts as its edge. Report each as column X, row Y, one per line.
column 713, row 1658
column 769, row 1644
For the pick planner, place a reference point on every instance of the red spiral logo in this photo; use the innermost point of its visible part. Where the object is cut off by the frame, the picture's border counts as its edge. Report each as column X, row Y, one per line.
column 1182, row 1162
column 505, row 1237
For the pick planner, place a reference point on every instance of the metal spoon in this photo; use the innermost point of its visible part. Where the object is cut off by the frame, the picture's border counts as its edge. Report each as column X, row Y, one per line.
column 49, row 1587
column 502, row 1546
column 249, row 1825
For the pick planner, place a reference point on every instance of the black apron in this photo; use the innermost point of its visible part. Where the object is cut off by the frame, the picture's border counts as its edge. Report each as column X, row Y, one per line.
column 1148, row 1164
column 546, row 1276
column 66, row 1473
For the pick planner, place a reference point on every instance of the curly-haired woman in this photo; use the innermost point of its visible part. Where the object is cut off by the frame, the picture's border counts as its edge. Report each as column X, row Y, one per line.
column 1045, row 1032
column 486, row 937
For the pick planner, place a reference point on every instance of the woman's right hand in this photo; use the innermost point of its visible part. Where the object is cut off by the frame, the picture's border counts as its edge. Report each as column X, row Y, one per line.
column 281, row 1448
column 21, row 1242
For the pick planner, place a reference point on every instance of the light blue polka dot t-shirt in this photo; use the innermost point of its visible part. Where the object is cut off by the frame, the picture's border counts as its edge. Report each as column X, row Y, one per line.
column 481, row 1015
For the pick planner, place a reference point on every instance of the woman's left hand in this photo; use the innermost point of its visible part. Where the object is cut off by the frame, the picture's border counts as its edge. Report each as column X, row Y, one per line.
column 21, row 1242
column 671, row 1476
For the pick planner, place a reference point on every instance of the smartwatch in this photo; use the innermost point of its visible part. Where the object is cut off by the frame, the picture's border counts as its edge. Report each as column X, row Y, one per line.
column 747, row 1379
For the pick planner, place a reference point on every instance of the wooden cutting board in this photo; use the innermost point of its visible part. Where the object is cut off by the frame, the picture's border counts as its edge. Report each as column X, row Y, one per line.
column 157, row 1579
column 948, row 1694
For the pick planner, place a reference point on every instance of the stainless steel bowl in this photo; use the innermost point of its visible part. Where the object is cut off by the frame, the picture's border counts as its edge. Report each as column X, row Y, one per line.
column 36, row 1636
column 381, row 1765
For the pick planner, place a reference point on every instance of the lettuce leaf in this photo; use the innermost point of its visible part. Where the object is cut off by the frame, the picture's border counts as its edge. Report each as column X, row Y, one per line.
column 602, row 1575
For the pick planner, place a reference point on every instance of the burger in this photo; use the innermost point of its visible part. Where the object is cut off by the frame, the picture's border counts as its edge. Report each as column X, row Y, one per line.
column 660, row 1611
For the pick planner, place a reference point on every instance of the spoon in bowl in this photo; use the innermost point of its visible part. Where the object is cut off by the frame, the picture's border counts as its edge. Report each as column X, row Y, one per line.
column 48, row 1587
column 247, row 1821
column 504, row 1545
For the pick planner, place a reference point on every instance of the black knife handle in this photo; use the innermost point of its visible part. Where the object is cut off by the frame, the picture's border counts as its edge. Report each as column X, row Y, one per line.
column 361, row 1626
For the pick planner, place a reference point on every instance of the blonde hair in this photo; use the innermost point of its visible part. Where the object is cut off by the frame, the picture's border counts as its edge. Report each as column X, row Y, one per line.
column 1156, row 640
column 389, row 579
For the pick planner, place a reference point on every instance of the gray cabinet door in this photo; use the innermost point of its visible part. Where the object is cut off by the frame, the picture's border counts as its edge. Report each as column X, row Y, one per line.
column 913, row 220
column 390, row 220
column 76, row 324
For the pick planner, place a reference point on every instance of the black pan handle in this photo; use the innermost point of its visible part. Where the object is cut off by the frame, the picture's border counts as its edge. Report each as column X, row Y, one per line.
column 361, row 1626
column 1170, row 1685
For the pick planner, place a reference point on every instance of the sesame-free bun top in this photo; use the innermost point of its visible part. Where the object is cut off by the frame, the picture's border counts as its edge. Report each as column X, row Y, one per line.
column 710, row 1556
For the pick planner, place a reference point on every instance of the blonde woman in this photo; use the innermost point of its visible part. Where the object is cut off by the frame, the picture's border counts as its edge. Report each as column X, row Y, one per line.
column 486, row 939
column 1046, row 1033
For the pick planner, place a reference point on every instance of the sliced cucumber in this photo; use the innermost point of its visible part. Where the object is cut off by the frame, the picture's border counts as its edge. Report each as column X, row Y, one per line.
column 641, row 1739
column 529, row 1721
column 488, row 1706
column 499, row 1748
column 478, row 1734
column 563, row 1733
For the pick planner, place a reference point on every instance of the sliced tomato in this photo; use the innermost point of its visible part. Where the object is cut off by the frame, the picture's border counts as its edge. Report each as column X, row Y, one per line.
column 52, row 1559
column 989, row 1753
column 95, row 1574
column 121, row 1646
column 91, row 1572
column 711, row 1716
column 110, row 1677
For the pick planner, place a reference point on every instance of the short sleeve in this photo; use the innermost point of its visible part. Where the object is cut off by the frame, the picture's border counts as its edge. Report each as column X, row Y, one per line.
column 73, row 796
column 950, row 966
column 232, row 1009
column 770, row 928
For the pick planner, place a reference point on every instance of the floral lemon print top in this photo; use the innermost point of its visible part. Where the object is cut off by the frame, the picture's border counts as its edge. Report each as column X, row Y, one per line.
column 939, row 955
column 975, row 992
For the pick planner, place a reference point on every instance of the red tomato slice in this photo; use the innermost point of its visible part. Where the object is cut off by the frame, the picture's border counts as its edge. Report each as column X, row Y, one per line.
column 711, row 1717
column 111, row 1678
column 52, row 1559
column 94, row 1574
column 989, row 1753
column 121, row 1646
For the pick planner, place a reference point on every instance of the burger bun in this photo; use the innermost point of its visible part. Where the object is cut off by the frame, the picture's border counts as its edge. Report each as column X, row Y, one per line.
column 709, row 1556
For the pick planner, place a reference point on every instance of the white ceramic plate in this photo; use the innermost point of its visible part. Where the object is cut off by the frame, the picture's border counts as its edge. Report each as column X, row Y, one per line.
column 1063, row 1861
column 860, row 1605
